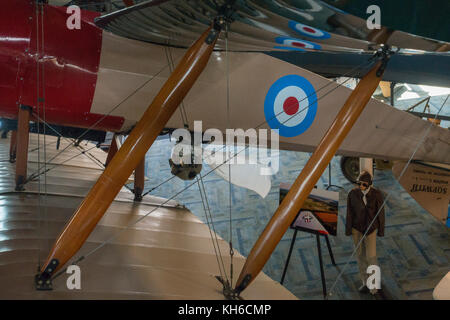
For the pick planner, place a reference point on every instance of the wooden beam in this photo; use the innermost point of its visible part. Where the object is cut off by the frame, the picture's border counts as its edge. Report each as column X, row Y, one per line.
column 385, row 88
column 380, row 36
column 13, row 146
column 129, row 155
column 23, row 133
column 366, row 164
column 308, row 177
column 443, row 48
column 112, row 150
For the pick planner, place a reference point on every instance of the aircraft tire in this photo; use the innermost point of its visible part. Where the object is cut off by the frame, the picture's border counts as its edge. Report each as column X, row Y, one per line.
column 350, row 168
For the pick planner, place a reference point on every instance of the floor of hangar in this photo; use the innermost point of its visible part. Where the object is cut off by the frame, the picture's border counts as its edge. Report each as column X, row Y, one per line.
column 414, row 254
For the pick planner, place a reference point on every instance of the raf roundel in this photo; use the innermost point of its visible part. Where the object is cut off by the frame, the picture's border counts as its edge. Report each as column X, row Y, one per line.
column 290, row 105
column 308, row 31
column 297, row 43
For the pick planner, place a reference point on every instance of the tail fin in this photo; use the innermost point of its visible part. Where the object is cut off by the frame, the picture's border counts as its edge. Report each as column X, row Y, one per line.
column 429, row 185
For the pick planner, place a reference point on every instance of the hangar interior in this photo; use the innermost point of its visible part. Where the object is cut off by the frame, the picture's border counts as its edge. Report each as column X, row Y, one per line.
column 94, row 95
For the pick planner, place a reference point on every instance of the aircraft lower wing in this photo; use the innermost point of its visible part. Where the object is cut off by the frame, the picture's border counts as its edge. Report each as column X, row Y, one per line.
column 132, row 72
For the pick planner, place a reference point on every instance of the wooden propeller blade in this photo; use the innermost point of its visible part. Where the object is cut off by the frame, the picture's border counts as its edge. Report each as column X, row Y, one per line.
column 99, row 198
column 308, row 177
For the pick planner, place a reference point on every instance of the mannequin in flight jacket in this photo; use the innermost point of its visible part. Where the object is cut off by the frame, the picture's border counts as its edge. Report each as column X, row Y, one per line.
column 363, row 204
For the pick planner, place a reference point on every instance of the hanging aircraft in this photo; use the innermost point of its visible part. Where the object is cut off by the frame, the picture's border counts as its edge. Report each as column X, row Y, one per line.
column 246, row 69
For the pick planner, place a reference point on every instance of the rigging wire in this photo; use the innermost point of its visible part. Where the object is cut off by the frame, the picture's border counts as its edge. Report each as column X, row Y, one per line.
column 37, row 4
column 61, row 163
column 35, row 149
column 421, row 140
column 169, row 58
column 210, row 222
column 230, row 187
column 203, row 195
column 71, row 143
column 94, row 159
column 43, row 109
column 162, row 183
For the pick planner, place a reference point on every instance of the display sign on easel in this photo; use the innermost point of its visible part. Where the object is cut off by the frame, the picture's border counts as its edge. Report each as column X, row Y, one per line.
column 319, row 212
column 319, row 216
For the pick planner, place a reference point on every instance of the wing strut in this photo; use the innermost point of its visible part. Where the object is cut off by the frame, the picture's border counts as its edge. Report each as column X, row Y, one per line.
column 127, row 158
column 311, row 173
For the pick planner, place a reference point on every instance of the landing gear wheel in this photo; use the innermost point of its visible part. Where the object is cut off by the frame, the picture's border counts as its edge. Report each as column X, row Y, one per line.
column 350, row 168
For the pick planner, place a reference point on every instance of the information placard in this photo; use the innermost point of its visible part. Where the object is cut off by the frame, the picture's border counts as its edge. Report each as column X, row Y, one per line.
column 319, row 213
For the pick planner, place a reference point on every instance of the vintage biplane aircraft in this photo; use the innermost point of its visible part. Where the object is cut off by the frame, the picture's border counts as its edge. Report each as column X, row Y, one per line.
column 231, row 64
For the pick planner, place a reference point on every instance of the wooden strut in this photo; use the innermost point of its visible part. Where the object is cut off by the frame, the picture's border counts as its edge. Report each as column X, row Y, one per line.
column 309, row 176
column 112, row 150
column 139, row 180
column 380, row 36
column 23, row 133
column 139, row 171
column 130, row 154
column 13, row 146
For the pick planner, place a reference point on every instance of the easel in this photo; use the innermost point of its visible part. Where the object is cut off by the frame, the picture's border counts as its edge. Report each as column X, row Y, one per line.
column 319, row 251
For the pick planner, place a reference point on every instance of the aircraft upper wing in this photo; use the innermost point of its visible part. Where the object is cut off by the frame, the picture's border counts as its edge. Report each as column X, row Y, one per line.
column 315, row 21
column 257, row 37
column 310, row 34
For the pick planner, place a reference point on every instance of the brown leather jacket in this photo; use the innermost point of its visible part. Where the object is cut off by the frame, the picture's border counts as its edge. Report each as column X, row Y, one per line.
column 360, row 215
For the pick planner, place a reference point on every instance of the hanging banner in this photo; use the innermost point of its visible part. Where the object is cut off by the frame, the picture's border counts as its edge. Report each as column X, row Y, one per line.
column 428, row 184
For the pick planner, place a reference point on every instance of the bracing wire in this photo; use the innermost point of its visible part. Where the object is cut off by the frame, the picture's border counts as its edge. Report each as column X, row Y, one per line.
column 44, row 115
column 230, row 186
column 171, row 68
column 212, row 232
column 39, row 136
column 71, row 143
column 203, row 194
column 63, row 162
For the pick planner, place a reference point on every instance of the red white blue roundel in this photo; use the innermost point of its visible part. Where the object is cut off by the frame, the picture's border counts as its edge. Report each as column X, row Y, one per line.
column 308, row 31
column 290, row 105
column 297, row 43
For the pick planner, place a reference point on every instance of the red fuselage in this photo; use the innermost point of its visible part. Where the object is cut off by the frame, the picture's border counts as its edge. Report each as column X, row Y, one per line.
column 68, row 63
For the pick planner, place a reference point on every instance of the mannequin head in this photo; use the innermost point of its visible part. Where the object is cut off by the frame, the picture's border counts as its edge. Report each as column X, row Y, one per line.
column 364, row 180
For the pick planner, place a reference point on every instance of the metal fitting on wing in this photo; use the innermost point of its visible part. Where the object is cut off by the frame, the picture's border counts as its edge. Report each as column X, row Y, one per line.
column 383, row 53
column 43, row 281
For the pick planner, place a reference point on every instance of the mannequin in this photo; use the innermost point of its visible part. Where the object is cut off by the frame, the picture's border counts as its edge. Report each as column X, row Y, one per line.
column 363, row 204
